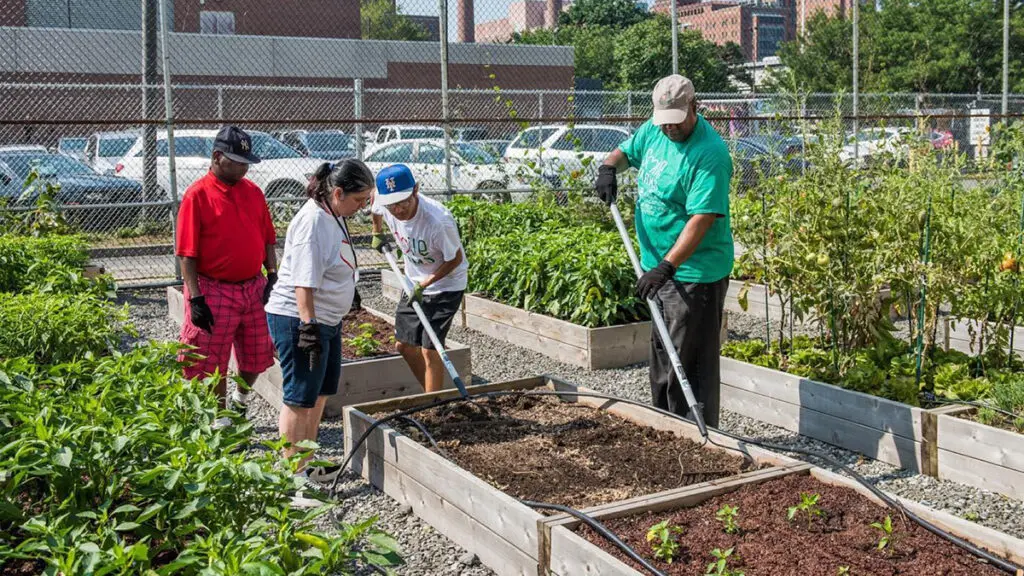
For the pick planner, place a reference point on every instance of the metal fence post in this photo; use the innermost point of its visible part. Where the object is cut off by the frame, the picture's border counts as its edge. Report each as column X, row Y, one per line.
column 629, row 108
column 856, row 66
column 445, row 110
column 1006, row 58
column 540, row 105
column 220, row 103
column 169, row 115
column 357, row 105
column 149, row 80
column 674, row 14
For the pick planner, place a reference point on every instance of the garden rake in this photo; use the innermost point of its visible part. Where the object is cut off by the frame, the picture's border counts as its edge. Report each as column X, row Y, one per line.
column 408, row 289
column 677, row 366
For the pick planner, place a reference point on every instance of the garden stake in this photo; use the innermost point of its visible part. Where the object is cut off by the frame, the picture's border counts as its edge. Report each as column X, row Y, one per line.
column 407, row 287
column 677, row 366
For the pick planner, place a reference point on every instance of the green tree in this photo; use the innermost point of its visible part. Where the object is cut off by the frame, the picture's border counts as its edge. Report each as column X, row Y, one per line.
column 611, row 13
column 822, row 59
column 381, row 20
column 643, row 54
column 594, row 48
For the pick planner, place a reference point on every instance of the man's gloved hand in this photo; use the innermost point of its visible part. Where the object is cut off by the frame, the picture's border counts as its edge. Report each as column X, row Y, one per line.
column 607, row 185
column 309, row 343
column 271, row 280
column 417, row 293
column 381, row 243
column 200, row 313
column 649, row 284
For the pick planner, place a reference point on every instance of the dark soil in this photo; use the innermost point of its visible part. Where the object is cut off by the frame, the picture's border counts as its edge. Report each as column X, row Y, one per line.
column 383, row 332
column 770, row 545
column 557, row 452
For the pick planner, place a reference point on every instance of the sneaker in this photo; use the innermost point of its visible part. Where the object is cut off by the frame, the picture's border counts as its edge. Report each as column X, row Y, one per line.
column 299, row 500
column 240, row 400
column 221, row 423
column 322, row 474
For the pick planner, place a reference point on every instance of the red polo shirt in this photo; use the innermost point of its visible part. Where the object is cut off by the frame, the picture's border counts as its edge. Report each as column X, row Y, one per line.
column 227, row 228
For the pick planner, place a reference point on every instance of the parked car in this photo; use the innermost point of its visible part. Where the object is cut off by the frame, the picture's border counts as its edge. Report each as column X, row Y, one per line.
column 399, row 132
column 473, row 168
column 560, row 150
column 72, row 146
column 755, row 157
column 24, row 148
column 79, row 185
column 103, row 150
column 331, row 145
column 494, row 147
column 282, row 172
column 470, row 134
column 876, row 141
column 941, row 139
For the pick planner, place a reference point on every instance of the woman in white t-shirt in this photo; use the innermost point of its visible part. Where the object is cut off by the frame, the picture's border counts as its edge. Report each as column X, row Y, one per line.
column 315, row 287
column 434, row 262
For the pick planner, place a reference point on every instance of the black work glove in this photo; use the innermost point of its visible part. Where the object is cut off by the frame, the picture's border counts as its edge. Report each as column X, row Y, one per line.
column 607, row 185
column 309, row 343
column 649, row 284
column 357, row 301
column 271, row 280
column 202, row 316
column 382, row 243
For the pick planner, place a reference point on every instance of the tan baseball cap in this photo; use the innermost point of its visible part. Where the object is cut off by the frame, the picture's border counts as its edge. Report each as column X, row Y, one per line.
column 672, row 98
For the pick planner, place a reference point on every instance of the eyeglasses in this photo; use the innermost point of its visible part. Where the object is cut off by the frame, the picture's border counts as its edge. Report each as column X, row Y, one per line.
column 402, row 203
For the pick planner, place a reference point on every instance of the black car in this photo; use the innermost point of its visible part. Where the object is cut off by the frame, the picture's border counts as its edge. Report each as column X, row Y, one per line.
column 78, row 186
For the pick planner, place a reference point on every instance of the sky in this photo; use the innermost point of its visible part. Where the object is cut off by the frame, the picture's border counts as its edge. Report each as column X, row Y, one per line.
column 484, row 10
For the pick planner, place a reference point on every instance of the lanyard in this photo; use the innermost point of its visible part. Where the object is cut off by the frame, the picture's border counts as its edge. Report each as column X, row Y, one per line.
column 348, row 237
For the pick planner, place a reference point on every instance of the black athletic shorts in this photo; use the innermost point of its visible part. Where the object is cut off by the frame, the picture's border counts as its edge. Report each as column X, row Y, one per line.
column 440, row 310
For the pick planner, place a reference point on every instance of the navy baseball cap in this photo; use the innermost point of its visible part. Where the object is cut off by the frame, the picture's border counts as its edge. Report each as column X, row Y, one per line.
column 236, row 145
column 394, row 184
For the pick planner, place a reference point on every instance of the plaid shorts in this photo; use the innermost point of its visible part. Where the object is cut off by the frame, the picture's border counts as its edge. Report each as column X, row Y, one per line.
column 238, row 321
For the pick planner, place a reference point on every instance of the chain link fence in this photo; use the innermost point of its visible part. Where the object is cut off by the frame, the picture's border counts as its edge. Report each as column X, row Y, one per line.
column 85, row 100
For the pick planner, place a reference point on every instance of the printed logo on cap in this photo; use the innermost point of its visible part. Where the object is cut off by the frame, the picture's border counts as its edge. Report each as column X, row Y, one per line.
column 390, row 183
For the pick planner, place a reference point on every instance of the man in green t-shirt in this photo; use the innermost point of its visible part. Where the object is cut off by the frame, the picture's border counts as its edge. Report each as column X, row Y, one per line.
column 686, row 247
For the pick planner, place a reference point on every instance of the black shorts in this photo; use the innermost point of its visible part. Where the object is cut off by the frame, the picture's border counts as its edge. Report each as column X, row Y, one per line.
column 440, row 310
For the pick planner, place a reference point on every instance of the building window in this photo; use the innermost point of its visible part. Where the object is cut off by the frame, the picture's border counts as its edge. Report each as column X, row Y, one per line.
column 216, row 22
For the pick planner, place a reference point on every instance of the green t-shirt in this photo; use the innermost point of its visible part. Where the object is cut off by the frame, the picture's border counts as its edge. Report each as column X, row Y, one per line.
column 677, row 180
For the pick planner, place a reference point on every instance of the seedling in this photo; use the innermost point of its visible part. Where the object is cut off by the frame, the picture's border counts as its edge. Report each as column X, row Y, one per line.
column 888, row 539
column 728, row 516
column 365, row 344
column 808, row 505
column 662, row 538
column 843, row 571
column 720, row 566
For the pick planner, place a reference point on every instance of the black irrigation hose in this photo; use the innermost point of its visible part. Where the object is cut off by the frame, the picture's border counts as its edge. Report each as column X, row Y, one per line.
column 423, row 430
column 600, row 529
column 971, row 548
column 1006, row 413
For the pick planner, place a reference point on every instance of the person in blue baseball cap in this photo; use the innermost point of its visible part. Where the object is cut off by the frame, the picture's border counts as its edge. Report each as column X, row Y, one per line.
column 435, row 263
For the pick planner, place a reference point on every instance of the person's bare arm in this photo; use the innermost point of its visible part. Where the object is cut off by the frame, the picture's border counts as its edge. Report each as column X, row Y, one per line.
column 190, row 275
column 304, row 299
column 443, row 270
column 618, row 159
column 696, row 227
column 270, row 259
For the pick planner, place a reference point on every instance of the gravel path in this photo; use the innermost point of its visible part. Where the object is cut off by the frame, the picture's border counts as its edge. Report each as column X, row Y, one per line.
column 429, row 553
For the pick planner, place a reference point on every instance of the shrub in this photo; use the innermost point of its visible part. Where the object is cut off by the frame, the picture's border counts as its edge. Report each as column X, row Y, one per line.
column 112, row 463
column 25, row 260
column 54, row 328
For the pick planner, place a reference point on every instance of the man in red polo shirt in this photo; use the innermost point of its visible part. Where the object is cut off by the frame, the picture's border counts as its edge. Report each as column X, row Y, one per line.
column 224, row 239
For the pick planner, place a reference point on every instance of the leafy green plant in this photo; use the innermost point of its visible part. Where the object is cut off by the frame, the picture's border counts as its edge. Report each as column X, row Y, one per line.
column 729, row 517
column 808, row 506
column 111, row 464
column 720, row 566
column 54, row 328
column 662, row 538
column 25, row 260
column 364, row 343
column 888, row 539
column 46, row 218
column 843, row 571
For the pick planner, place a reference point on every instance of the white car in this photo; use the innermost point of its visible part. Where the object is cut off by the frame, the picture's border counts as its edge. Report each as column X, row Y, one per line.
column 393, row 132
column 281, row 173
column 103, row 150
column 473, row 168
column 874, row 141
column 556, row 151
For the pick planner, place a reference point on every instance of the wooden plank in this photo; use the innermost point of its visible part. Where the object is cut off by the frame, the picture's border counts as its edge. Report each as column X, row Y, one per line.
column 883, row 446
column 870, row 411
column 445, row 517
column 756, row 300
column 996, row 446
column 427, row 398
column 176, row 305
column 560, row 330
column 616, row 346
column 501, row 513
column 930, row 441
column 530, row 340
column 980, row 473
column 960, row 338
column 572, row 555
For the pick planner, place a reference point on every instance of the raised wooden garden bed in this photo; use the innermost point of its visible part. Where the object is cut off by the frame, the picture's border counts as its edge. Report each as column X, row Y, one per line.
column 534, row 452
column 363, row 380
column 767, row 542
column 591, row 348
column 976, row 454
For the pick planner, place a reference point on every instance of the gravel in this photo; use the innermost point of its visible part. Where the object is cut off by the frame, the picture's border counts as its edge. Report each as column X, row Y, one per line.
column 427, row 552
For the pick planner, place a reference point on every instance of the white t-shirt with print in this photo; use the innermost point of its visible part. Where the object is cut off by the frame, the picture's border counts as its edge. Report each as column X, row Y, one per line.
column 428, row 240
column 317, row 255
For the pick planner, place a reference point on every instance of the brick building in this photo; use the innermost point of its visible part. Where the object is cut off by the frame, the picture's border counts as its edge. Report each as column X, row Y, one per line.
column 523, row 16
column 759, row 27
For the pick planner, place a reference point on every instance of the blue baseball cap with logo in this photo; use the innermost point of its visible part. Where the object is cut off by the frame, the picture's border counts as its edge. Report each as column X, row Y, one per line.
column 394, row 184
